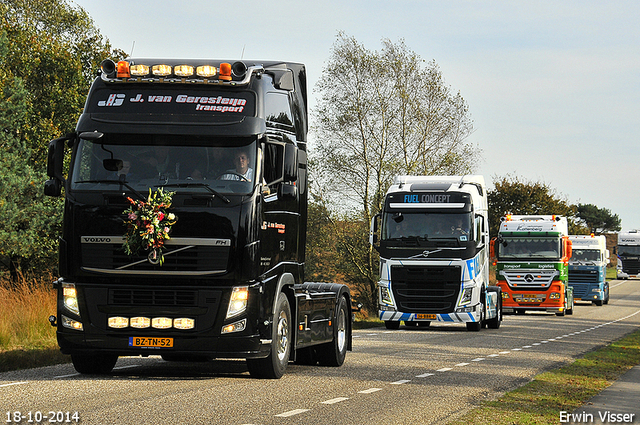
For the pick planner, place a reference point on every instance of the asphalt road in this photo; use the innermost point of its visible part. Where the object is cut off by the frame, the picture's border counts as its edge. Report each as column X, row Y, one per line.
column 409, row 376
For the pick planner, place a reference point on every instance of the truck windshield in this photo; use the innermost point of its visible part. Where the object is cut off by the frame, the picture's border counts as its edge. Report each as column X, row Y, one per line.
column 427, row 226
column 529, row 247
column 181, row 163
column 628, row 250
column 585, row 255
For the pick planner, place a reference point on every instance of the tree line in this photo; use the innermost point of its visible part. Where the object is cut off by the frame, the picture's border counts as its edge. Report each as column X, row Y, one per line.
column 380, row 114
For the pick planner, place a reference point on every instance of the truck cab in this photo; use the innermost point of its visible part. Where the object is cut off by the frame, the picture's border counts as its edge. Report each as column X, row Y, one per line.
column 588, row 269
column 213, row 155
column 531, row 254
column 628, row 252
column 432, row 236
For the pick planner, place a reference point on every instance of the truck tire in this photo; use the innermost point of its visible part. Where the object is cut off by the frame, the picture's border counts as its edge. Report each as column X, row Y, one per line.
column 94, row 364
column 274, row 365
column 392, row 325
column 476, row 326
column 496, row 321
column 334, row 352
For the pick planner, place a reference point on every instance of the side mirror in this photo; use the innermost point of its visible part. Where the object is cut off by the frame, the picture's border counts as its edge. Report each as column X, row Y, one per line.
column 287, row 191
column 374, row 230
column 111, row 164
column 55, row 160
column 290, row 163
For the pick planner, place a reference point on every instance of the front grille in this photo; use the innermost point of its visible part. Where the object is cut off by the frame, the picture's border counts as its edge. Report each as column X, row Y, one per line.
column 426, row 288
column 529, row 279
column 186, row 258
column 142, row 297
column 579, row 289
column 631, row 266
column 583, row 276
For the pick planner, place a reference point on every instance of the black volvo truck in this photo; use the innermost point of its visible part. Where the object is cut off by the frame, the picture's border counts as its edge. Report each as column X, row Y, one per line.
column 185, row 219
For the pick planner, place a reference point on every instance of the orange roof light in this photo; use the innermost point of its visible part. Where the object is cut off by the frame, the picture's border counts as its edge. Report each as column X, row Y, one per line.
column 123, row 69
column 225, row 72
column 508, row 217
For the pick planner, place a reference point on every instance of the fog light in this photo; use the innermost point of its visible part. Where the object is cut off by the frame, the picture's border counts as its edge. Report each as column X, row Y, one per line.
column 140, row 322
column 161, row 322
column 118, row 322
column 184, row 323
column 235, row 327
column 505, row 295
column 70, row 323
column 554, row 296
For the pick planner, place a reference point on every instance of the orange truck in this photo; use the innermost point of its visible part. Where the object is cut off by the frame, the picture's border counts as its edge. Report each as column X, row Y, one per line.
column 531, row 255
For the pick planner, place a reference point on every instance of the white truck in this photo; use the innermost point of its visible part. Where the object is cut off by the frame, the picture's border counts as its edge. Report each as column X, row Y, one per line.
column 433, row 238
column 588, row 269
column 628, row 251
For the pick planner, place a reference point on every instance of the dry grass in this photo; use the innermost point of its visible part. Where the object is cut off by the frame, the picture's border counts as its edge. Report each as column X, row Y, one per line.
column 25, row 305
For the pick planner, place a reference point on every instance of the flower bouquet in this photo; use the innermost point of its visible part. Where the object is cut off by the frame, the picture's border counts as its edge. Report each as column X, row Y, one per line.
column 148, row 225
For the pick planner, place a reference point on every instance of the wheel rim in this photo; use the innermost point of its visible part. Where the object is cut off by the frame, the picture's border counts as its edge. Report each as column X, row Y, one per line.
column 342, row 330
column 282, row 342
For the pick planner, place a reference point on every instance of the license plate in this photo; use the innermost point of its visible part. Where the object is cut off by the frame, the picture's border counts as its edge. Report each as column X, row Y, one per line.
column 141, row 341
column 426, row 316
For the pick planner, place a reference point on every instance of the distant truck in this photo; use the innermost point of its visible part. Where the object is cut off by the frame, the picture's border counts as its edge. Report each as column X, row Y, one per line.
column 628, row 251
column 531, row 254
column 433, row 240
column 588, row 268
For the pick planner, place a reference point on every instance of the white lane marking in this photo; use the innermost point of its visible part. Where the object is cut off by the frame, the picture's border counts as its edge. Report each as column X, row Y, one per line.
column 504, row 352
column 335, row 400
column 444, row 369
column 291, row 413
column 462, row 364
column 66, row 376
column 493, row 355
column 479, row 359
column 516, row 349
column 424, row 375
column 14, row 383
column 526, row 346
column 370, row 390
column 400, row 382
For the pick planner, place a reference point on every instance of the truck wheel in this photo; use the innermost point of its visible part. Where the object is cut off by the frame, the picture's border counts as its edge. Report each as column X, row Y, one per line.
column 496, row 321
column 334, row 352
column 274, row 365
column 598, row 302
column 391, row 325
column 474, row 326
column 570, row 308
column 94, row 364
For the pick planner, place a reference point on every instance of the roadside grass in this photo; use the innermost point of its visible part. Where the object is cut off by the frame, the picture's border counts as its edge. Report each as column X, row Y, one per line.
column 27, row 339
column 564, row 389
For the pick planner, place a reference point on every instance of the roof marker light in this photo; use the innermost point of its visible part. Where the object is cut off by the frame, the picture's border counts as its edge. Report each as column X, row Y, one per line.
column 225, row 72
column 161, row 70
column 206, row 71
column 183, row 70
column 123, row 69
column 139, row 70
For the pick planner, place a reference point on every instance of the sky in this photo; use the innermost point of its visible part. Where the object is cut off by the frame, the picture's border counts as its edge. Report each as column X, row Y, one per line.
column 553, row 87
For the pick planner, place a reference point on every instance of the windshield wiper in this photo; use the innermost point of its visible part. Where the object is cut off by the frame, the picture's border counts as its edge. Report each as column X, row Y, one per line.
column 121, row 182
column 205, row 185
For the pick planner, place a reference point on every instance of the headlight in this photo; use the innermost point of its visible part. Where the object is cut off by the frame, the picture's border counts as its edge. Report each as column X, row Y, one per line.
column 238, row 301
column 466, row 296
column 554, row 296
column 385, row 296
column 70, row 297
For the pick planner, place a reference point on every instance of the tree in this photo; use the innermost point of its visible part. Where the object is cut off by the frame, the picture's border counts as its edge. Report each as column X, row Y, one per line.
column 55, row 49
column 49, row 52
column 598, row 220
column 381, row 114
column 511, row 195
column 29, row 220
